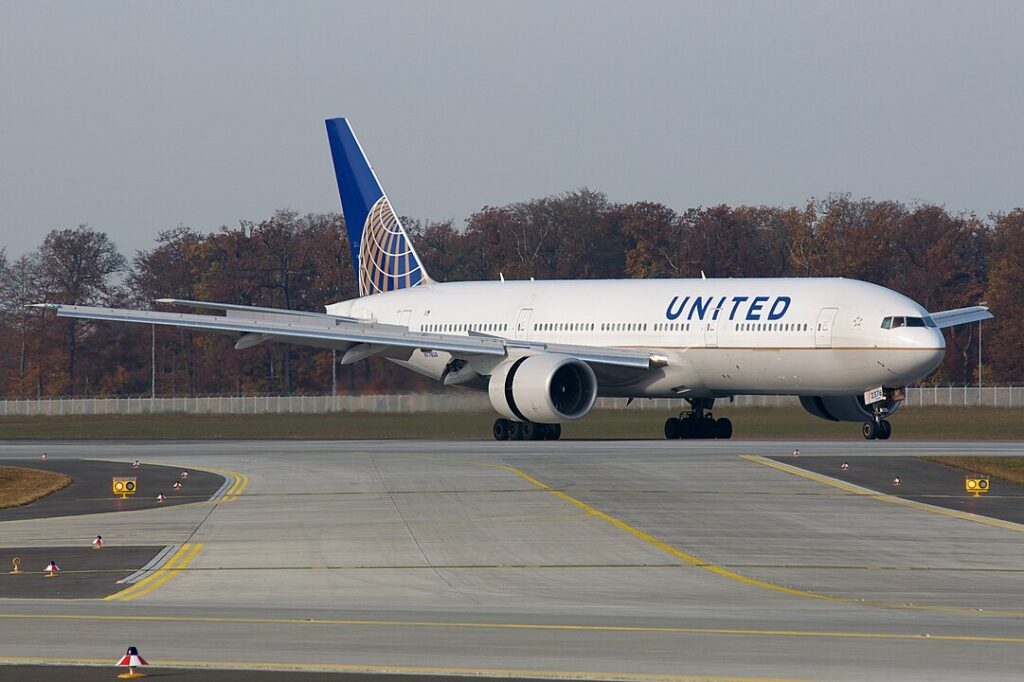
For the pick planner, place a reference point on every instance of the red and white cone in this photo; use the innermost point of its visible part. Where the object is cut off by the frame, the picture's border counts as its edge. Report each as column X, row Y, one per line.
column 52, row 570
column 796, row 453
column 43, row 457
column 184, row 474
column 176, row 485
column 844, row 466
column 136, row 464
column 98, row 542
column 161, row 497
column 131, row 660
column 896, row 481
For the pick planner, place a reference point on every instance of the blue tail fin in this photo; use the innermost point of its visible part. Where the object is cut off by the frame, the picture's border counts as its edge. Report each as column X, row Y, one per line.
column 382, row 252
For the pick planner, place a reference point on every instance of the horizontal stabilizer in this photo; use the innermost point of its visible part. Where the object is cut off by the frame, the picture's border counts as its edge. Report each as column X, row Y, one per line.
column 952, row 318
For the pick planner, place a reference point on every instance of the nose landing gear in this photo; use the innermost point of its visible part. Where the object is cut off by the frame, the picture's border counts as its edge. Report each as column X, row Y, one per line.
column 698, row 422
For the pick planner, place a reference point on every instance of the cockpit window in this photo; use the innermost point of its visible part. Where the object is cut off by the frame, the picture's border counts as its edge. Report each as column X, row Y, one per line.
column 897, row 322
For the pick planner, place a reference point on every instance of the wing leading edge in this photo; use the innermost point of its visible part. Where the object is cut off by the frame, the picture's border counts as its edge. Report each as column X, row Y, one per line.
column 360, row 337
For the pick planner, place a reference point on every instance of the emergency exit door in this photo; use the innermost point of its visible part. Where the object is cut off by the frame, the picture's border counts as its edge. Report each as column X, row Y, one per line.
column 823, row 330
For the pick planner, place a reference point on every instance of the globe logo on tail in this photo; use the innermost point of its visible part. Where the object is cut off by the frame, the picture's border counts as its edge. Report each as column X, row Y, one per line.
column 387, row 261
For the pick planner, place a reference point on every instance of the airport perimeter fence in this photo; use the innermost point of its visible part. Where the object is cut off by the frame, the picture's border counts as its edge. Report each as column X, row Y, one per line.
column 460, row 401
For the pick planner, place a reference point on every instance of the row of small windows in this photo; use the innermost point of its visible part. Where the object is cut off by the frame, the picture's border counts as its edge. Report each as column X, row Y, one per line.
column 770, row 327
column 632, row 326
column 564, row 327
column 486, row 327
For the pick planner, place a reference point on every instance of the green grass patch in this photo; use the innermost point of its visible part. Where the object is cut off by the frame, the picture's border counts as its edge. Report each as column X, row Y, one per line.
column 1009, row 469
column 926, row 423
column 19, row 485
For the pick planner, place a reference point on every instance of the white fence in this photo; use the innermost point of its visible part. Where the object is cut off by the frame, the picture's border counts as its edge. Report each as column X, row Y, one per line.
column 454, row 401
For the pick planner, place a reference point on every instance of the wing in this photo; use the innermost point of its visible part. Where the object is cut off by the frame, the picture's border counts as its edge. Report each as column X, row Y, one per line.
column 952, row 318
column 358, row 339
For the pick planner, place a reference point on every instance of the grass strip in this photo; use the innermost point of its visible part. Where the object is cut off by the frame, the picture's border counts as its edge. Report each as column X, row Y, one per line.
column 1010, row 469
column 19, row 486
column 769, row 423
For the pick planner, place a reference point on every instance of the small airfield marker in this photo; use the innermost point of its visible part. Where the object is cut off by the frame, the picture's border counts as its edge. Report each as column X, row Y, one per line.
column 98, row 542
column 52, row 570
column 131, row 660
column 16, row 563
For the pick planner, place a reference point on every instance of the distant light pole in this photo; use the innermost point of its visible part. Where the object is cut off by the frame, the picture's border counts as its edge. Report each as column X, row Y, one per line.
column 152, row 367
column 980, row 402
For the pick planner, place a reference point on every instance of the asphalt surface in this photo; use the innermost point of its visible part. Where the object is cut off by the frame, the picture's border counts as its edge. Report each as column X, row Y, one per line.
column 85, row 573
column 922, row 481
column 90, row 491
column 52, row 673
column 585, row 560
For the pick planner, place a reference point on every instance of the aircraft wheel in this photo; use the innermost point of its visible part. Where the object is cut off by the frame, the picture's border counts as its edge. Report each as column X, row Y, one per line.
column 707, row 428
column 672, row 429
column 686, row 429
column 553, row 431
column 723, row 428
column 515, row 430
column 884, row 430
column 870, row 430
column 500, row 429
column 532, row 431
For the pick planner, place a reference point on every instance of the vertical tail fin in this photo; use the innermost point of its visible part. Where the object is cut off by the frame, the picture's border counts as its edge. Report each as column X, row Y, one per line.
column 382, row 252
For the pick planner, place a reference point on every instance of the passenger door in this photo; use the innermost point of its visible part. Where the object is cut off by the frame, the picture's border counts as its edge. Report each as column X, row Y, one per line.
column 711, row 334
column 823, row 330
column 522, row 328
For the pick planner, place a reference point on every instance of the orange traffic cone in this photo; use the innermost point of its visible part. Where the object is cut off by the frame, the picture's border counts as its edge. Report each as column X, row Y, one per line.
column 131, row 660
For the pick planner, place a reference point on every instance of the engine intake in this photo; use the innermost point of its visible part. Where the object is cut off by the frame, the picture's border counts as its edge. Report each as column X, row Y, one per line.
column 844, row 408
column 547, row 388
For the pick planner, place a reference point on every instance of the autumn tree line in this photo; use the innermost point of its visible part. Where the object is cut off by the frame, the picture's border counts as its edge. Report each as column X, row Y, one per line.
column 941, row 259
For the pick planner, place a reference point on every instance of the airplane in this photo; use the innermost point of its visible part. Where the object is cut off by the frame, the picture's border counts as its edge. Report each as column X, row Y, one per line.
column 544, row 351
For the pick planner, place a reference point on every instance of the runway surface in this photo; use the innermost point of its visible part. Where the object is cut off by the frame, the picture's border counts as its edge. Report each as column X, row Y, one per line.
column 614, row 560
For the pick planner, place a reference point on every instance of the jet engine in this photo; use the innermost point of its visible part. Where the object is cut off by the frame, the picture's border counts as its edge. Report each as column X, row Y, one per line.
column 547, row 388
column 846, row 408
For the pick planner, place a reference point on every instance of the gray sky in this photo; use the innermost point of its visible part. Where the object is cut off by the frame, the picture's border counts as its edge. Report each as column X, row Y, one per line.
column 137, row 116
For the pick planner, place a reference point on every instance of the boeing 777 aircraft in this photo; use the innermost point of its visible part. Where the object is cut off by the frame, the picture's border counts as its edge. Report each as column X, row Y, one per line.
column 544, row 351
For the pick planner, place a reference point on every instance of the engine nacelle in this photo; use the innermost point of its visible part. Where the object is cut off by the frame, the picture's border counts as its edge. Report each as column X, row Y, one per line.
column 547, row 388
column 845, row 408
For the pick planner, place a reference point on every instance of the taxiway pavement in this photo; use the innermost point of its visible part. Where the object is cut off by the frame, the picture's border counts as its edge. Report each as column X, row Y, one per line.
column 599, row 559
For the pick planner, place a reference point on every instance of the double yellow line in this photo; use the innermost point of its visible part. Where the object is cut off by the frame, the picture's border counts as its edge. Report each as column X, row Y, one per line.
column 177, row 563
column 240, row 484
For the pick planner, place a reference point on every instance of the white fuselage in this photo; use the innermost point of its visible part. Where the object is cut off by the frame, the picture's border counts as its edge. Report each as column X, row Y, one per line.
column 720, row 337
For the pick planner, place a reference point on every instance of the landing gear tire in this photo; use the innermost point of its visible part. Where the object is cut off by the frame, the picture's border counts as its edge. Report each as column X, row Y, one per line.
column 672, row 428
column 723, row 428
column 884, row 430
column 533, row 431
column 870, row 430
column 553, row 431
column 515, row 431
column 501, row 429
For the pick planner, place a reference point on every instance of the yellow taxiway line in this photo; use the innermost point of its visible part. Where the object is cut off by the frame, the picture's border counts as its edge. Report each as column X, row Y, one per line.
column 181, row 559
column 570, row 627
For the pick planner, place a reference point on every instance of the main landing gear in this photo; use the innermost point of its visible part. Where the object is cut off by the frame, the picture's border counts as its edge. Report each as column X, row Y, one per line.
column 506, row 429
column 698, row 422
column 879, row 428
